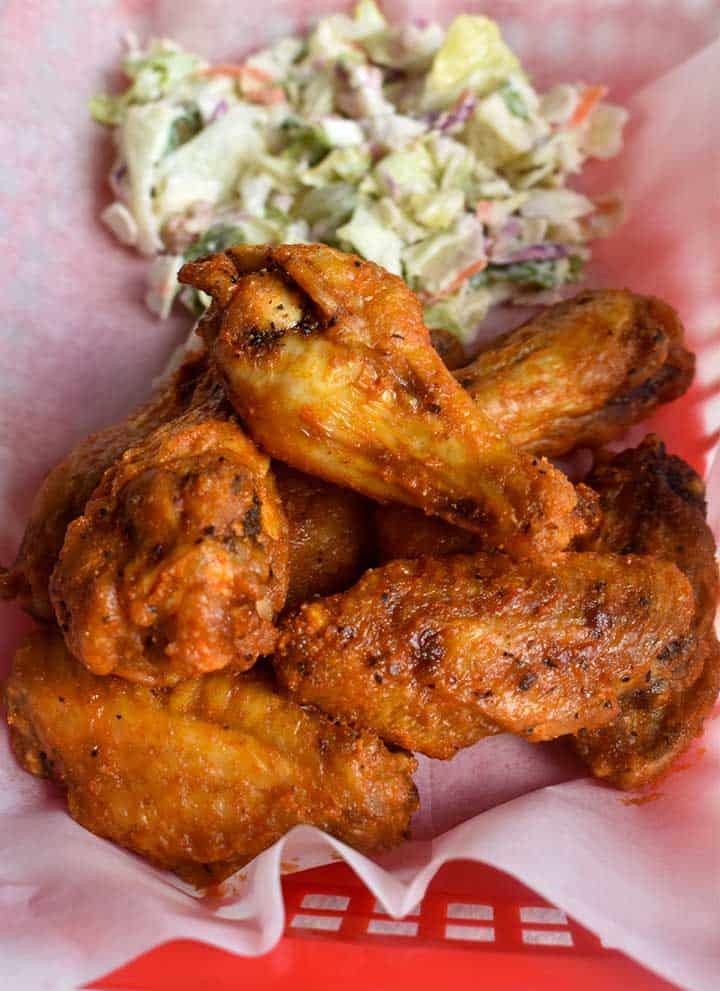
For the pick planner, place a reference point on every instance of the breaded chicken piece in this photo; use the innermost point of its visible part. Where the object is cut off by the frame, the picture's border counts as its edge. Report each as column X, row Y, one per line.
column 202, row 777
column 68, row 486
column 330, row 535
column 327, row 360
column 581, row 372
column 654, row 504
column 178, row 564
column 434, row 654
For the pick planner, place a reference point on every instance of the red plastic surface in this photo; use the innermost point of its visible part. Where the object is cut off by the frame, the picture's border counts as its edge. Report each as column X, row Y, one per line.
column 464, row 895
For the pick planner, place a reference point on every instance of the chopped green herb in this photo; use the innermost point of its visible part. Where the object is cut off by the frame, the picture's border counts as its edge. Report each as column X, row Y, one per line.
column 184, row 127
column 303, row 141
column 540, row 274
column 576, row 268
column 546, row 274
column 217, row 238
column 513, row 101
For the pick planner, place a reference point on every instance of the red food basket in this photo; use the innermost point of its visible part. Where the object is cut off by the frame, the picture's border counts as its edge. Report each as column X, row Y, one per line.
column 476, row 928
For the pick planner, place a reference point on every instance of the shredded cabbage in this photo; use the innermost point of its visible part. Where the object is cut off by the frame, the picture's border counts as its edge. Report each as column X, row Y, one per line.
column 425, row 150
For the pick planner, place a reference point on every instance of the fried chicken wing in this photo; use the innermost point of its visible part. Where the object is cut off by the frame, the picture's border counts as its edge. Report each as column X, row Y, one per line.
column 202, row 777
column 654, row 504
column 328, row 362
column 330, row 535
column 578, row 375
column 434, row 654
column 448, row 347
column 582, row 372
column 68, row 486
column 178, row 564
column 403, row 532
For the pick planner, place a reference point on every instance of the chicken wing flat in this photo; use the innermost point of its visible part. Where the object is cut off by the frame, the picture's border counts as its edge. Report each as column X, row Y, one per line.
column 329, row 534
column 178, row 564
column 328, row 362
column 202, row 777
column 578, row 375
column 654, row 504
column 434, row 654
column 582, row 372
column 68, row 486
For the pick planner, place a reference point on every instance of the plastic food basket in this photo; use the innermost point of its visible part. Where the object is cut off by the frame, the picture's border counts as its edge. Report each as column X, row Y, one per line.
column 476, row 928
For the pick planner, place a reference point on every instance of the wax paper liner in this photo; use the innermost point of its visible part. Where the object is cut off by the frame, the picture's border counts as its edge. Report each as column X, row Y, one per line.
column 78, row 351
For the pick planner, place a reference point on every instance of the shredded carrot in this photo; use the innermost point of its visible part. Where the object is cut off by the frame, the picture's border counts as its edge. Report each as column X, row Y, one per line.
column 589, row 98
column 426, row 298
column 254, row 83
column 466, row 273
column 267, row 96
column 237, row 72
column 483, row 209
column 464, row 95
column 259, row 74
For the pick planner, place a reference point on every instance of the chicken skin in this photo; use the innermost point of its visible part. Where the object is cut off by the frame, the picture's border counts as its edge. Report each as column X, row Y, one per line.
column 577, row 375
column 654, row 504
column 327, row 360
column 329, row 528
column 402, row 532
column 582, row 372
column 202, row 777
column 434, row 654
column 330, row 536
column 68, row 486
column 178, row 564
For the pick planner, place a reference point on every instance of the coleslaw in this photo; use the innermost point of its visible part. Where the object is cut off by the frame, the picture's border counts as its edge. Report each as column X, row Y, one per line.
column 425, row 150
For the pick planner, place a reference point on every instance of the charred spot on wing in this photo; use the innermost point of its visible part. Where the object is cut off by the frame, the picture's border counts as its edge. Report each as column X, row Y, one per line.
column 679, row 477
column 418, row 390
column 466, row 509
column 645, row 393
column 252, row 523
column 427, row 648
column 641, row 469
column 675, row 648
column 668, row 382
column 682, row 480
column 46, row 763
column 310, row 323
column 598, row 621
column 260, row 340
